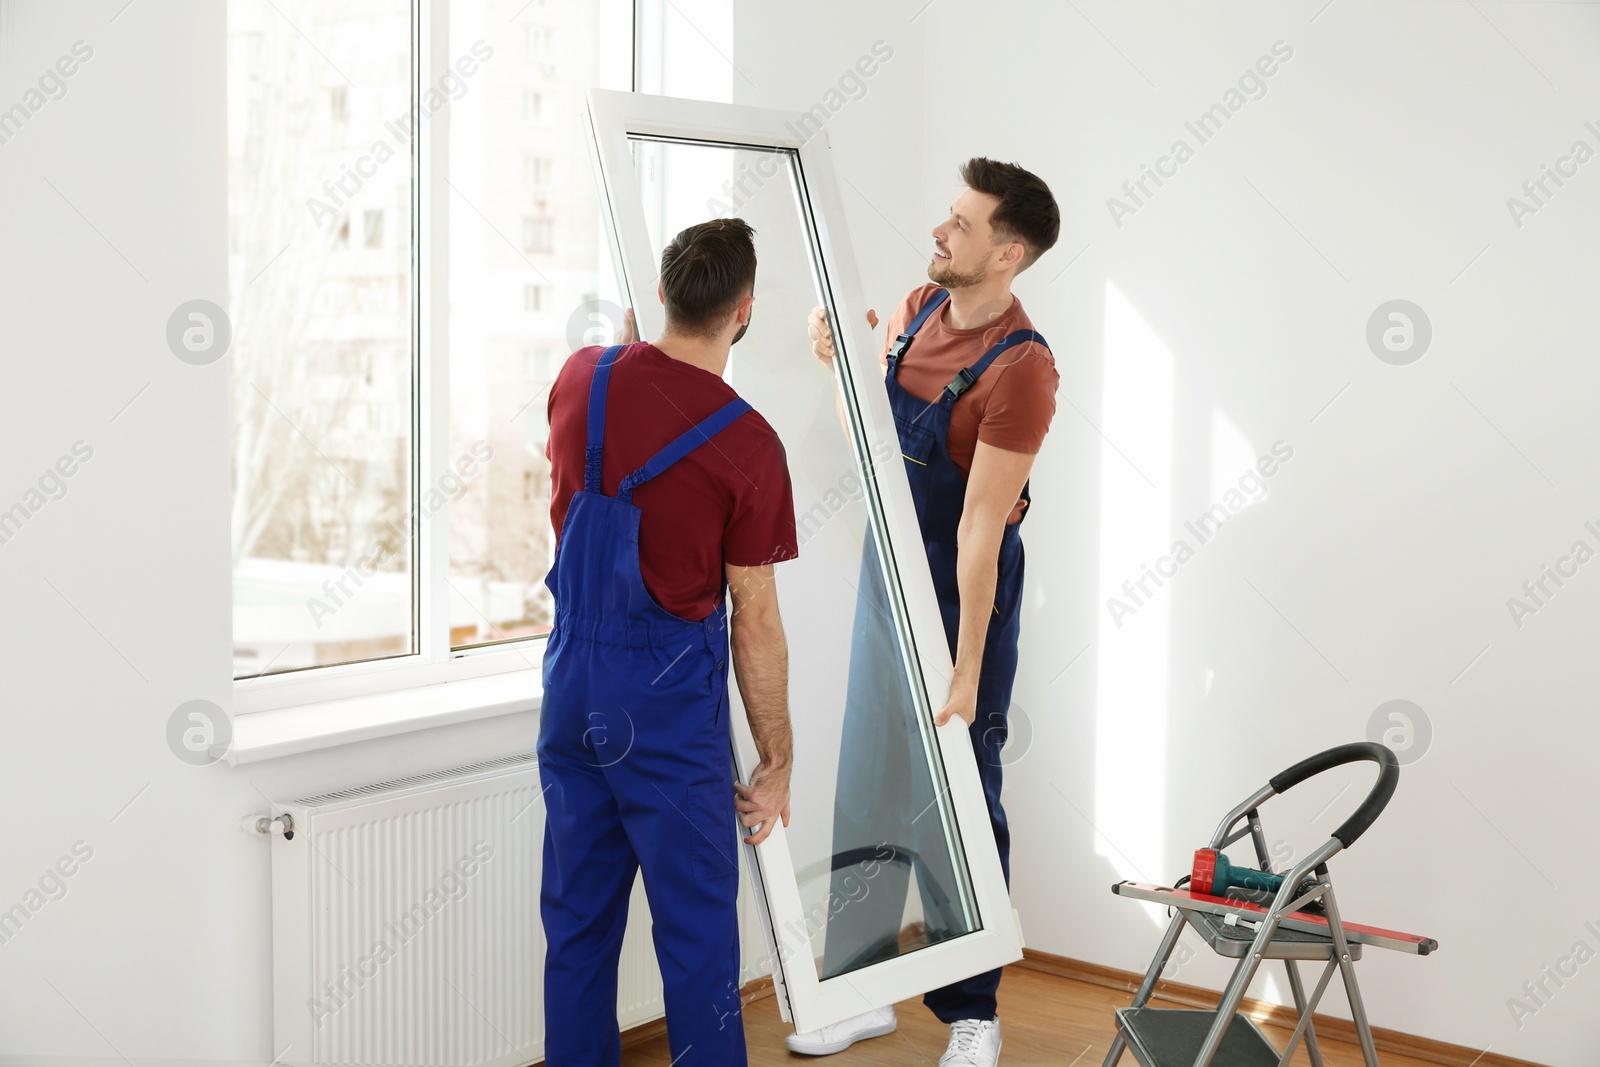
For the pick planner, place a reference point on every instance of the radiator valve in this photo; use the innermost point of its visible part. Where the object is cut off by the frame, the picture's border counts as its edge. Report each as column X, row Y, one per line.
column 267, row 825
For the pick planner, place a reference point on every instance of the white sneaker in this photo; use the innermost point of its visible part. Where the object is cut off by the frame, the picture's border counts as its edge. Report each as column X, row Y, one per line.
column 840, row 1036
column 973, row 1043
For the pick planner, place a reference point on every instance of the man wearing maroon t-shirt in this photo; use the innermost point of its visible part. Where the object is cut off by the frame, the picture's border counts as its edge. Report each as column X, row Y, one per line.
column 667, row 488
column 972, row 387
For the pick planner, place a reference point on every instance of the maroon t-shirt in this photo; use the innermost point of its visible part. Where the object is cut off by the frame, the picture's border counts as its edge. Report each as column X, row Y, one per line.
column 727, row 502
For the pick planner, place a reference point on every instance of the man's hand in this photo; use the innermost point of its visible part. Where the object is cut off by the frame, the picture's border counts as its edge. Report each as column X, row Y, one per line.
column 963, row 702
column 630, row 329
column 765, row 799
column 822, row 334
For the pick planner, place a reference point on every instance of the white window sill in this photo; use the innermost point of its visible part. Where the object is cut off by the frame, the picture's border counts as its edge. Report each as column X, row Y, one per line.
column 289, row 731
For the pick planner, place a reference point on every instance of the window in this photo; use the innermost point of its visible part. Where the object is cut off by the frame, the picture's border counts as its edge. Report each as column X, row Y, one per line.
column 537, row 235
column 848, row 929
column 536, row 42
column 536, row 171
column 385, row 530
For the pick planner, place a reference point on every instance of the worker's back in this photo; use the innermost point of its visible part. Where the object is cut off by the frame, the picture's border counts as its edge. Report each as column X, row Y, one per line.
column 726, row 502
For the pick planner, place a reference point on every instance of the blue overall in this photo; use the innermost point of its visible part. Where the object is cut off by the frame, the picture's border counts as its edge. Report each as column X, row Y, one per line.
column 635, row 761
column 882, row 795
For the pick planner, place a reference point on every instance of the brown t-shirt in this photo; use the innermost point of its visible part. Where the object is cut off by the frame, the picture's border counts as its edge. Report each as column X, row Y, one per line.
column 1011, row 405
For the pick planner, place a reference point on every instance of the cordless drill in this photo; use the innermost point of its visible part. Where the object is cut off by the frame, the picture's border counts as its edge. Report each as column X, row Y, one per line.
column 1214, row 875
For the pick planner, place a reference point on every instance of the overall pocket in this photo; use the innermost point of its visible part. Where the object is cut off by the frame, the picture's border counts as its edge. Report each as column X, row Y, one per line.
column 714, row 849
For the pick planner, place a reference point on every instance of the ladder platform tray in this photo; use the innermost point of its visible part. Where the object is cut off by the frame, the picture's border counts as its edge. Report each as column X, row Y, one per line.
column 1301, row 921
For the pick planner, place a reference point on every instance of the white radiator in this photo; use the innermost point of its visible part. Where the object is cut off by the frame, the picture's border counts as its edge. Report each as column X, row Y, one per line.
column 406, row 925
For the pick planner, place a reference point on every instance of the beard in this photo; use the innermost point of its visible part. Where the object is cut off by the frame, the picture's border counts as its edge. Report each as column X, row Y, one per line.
column 950, row 278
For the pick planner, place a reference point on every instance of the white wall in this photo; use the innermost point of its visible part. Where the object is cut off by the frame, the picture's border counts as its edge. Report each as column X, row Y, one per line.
column 116, row 594
column 1376, row 166
column 797, row 62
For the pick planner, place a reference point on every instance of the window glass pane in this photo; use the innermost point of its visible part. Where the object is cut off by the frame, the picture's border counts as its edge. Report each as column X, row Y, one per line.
column 530, row 281
column 872, row 835
column 320, row 291
column 686, row 50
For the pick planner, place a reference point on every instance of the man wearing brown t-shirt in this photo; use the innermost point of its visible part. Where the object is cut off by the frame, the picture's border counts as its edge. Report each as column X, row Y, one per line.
column 972, row 387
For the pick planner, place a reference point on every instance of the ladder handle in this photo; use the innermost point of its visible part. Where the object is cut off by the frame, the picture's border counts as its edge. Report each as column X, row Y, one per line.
column 1382, row 789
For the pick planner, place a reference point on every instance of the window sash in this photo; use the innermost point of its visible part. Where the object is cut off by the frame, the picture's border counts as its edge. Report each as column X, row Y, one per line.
column 615, row 119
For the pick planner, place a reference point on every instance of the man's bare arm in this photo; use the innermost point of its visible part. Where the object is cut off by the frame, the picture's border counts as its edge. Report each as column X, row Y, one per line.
column 993, row 486
column 761, row 661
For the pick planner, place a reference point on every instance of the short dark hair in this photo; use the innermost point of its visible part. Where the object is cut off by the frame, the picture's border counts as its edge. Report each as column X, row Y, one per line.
column 705, row 271
column 1027, row 211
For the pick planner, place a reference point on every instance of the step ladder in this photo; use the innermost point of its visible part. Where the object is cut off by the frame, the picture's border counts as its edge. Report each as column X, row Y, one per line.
column 1300, row 922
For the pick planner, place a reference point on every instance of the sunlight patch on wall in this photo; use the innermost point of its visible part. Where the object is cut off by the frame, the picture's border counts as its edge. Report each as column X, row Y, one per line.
column 1135, row 530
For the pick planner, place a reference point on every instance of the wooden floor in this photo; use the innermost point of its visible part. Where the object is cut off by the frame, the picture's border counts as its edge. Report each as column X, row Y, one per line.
column 1046, row 1021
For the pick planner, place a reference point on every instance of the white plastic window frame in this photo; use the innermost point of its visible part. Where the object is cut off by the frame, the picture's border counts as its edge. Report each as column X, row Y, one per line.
column 807, row 1000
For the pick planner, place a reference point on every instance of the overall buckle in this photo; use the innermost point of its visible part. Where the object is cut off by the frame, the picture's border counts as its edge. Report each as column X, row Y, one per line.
column 961, row 383
column 898, row 349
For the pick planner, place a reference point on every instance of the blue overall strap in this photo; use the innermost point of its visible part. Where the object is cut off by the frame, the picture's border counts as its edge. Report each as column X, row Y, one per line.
column 597, row 419
column 969, row 375
column 903, row 342
column 685, row 443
